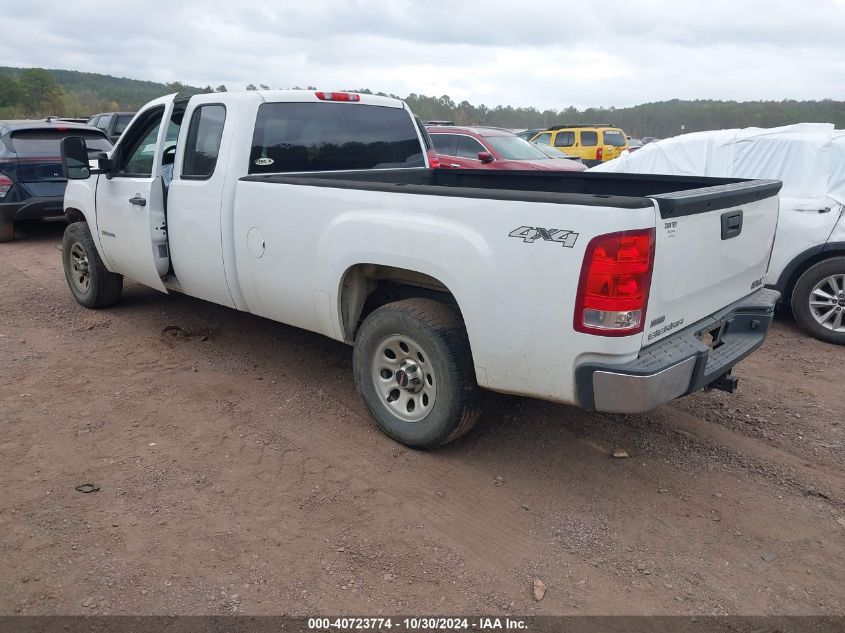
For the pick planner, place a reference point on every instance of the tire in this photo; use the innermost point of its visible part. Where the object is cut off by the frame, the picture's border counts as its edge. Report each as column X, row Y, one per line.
column 432, row 356
column 91, row 284
column 825, row 320
column 7, row 230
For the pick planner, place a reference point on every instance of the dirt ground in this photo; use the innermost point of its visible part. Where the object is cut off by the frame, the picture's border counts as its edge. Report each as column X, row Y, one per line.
column 239, row 473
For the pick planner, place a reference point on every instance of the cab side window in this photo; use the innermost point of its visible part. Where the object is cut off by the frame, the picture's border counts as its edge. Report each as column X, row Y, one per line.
column 203, row 144
column 444, row 143
column 565, row 139
column 103, row 122
column 542, row 139
column 468, row 147
column 589, row 138
column 136, row 159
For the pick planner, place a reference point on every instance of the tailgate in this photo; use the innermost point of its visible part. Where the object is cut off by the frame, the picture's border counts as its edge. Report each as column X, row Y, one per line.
column 712, row 248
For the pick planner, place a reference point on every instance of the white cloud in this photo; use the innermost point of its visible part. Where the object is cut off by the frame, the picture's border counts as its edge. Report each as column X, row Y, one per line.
column 546, row 54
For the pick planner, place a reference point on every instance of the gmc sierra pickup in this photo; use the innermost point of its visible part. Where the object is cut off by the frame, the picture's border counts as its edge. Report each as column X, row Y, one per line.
column 613, row 292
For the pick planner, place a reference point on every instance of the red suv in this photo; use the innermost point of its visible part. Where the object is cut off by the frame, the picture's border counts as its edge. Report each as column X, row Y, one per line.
column 492, row 148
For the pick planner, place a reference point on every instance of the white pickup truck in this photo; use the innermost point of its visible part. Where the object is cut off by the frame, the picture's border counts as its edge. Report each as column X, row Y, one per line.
column 612, row 292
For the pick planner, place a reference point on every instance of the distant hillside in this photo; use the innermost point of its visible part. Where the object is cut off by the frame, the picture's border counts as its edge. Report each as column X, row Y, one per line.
column 40, row 92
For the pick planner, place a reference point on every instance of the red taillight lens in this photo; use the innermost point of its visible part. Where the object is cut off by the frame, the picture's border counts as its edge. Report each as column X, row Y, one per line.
column 599, row 153
column 433, row 160
column 338, row 96
column 5, row 185
column 615, row 279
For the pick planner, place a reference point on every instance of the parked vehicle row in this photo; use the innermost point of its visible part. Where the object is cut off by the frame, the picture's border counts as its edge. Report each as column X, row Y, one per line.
column 593, row 144
column 32, row 184
column 493, row 148
column 321, row 210
column 111, row 123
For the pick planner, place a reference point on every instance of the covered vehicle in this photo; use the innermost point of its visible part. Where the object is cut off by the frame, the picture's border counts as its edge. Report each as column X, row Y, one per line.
column 31, row 182
column 808, row 261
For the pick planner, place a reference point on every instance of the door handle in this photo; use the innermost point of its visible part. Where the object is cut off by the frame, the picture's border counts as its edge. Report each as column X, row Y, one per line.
column 138, row 200
column 731, row 224
column 454, row 165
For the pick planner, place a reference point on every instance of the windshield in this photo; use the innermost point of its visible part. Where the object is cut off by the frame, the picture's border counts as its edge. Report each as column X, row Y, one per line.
column 551, row 152
column 515, row 148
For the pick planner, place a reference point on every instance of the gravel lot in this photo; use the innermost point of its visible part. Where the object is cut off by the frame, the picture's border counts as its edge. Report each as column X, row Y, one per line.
column 239, row 473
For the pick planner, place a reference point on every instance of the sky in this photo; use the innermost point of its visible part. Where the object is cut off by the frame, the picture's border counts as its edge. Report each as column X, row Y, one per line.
column 546, row 54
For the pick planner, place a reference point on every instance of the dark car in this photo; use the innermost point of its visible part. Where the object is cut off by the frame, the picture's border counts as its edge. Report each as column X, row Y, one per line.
column 529, row 134
column 111, row 123
column 32, row 185
column 492, row 148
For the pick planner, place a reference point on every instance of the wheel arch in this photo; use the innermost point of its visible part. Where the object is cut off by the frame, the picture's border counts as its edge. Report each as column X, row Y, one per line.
column 803, row 262
column 366, row 286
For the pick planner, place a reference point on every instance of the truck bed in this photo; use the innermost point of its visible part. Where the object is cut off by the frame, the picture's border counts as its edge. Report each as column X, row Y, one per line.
column 676, row 195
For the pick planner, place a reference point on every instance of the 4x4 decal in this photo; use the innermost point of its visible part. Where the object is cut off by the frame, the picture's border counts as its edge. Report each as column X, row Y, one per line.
column 530, row 233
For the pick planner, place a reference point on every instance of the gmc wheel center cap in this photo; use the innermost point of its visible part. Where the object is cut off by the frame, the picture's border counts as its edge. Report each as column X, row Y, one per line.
column 408, row 376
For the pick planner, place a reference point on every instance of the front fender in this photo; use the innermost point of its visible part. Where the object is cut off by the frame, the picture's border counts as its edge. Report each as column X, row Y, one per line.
column 80, row 195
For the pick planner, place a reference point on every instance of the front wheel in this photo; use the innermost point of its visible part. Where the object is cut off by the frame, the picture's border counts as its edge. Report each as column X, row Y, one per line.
column 818, row 300
column 414, row 371
column 90, row 282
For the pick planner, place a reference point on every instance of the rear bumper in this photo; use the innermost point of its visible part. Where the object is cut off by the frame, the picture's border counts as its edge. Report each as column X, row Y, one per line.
column 32, row 208
column 679, row 364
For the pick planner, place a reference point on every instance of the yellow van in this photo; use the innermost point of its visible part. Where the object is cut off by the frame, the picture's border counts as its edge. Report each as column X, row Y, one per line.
column 593, row 144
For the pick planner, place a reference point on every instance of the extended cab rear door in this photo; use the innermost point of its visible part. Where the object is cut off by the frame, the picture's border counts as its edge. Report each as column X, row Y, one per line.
column 130, row 199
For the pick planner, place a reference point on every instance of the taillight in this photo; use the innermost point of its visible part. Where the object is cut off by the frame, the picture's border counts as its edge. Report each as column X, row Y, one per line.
column 433, row 160
column 615, row 279
column 599, row 153
column 338, row 96
column 5, row 185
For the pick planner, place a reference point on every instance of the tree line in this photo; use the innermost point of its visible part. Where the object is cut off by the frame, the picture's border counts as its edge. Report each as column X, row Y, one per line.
column 38, row 92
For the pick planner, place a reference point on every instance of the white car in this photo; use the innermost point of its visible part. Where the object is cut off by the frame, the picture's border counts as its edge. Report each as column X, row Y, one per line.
column 808, row 261
column 320, row 210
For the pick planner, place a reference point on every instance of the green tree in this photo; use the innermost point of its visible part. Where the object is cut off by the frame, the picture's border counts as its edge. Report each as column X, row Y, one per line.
column 41, row 93
column 249, row 87
column 220, row 88
column 10, row 91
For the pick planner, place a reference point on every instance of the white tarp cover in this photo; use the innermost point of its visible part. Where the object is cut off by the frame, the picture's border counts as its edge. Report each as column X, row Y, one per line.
column 808, row 157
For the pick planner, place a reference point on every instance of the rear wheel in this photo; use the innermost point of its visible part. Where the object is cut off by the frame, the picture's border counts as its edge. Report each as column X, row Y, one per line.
column 413, row 368
column 818, row 300
column 90, row 282
column 7, row 230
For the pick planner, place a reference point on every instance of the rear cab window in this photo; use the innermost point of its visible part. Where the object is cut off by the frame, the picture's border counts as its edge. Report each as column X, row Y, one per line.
column 333, row 137
column 46, row 142
column 614, row 138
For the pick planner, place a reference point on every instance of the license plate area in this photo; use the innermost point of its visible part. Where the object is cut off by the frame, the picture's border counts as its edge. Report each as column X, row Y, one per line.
column 712, row 336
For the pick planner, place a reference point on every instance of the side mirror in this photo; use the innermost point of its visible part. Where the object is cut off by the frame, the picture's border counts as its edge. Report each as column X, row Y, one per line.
column 485, row 157
column 74, row 154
